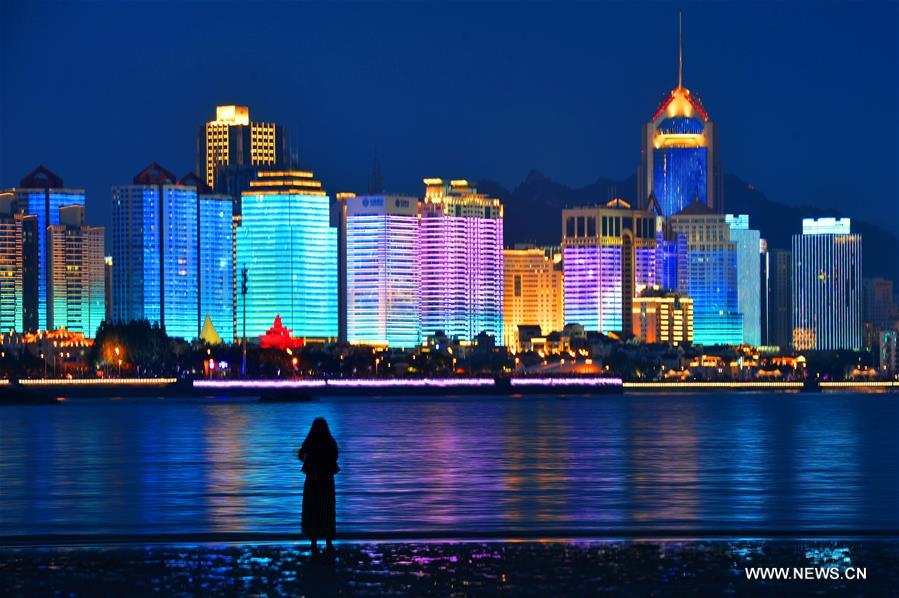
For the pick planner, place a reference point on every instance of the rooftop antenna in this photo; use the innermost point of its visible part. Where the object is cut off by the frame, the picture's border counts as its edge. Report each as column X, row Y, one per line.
column 680, row 49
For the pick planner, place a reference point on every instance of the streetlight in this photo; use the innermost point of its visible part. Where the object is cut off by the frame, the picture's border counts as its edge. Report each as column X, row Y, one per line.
column 118, row 357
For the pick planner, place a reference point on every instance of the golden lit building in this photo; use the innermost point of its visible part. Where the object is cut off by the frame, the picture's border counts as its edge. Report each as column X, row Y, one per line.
column 232, row 139
column 532, row 291
column 663, row 318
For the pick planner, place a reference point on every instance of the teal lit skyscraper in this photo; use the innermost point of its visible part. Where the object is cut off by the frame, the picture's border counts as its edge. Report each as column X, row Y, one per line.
column 41, row 193
column 382, row 270
column 77, row 273
column 154, row 252
column 749, row 293
column 18, row 266
column 289, row 250
column 711, row 279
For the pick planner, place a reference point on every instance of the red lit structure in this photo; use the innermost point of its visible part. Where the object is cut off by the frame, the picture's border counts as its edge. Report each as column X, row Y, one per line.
column 278, row 337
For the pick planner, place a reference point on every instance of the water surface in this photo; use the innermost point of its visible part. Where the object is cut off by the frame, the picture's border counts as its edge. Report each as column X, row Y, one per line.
column 457, row 464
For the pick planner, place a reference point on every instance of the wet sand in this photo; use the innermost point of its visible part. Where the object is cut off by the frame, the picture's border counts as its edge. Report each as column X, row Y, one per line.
column 384, row 568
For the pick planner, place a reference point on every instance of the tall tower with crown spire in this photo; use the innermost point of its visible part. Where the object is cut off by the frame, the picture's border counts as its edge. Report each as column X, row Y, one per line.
column 680, row 161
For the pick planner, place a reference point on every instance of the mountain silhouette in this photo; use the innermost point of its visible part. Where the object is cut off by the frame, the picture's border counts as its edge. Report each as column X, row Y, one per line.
column 533, row 214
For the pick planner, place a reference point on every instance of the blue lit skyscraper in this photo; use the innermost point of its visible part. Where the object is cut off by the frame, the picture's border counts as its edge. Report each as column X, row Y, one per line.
column 289, row 250
column 41, row 193
column 711, row 275
column 215, row 262
column 749, row 292
column 827, row 286
column 154, row 252
column 680, row 153
column 382, row 271
column 215, row 259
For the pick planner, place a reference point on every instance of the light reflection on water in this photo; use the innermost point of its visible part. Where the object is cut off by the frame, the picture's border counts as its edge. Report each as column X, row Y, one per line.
column 713, row 462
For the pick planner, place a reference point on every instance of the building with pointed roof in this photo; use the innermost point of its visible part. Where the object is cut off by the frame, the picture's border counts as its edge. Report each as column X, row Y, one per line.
column 680, row 161
column 41, row 193
column 154, row 252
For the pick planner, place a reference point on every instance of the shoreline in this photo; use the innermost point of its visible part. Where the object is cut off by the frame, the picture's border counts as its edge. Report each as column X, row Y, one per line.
column 282, row 390
column 451, row 537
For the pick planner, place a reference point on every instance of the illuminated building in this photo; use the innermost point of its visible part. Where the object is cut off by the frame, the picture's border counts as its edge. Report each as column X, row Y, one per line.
column 154, row 252
column 41, row 193
column 532, row 292
column 663, row 317
column 609, row 256
column 461, row 261
column 827, row 286
column 879, row 307
column 680, row 161
column 18, row 267
column 107, row 271
column 77, row 273
column 888, row 351
column 215, row 263
column 233, row 140
column 711, row 280
column 289, row 250
column 749, row 293
column 382, row 274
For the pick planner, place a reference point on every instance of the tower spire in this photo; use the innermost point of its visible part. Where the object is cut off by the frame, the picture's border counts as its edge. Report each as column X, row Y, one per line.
column 680, row 49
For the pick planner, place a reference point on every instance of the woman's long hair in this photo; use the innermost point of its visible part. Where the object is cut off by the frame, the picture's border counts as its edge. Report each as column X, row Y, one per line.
column 319, row 435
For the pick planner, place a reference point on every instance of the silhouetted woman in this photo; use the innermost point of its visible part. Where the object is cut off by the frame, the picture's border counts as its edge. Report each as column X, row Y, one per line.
column 319, row 457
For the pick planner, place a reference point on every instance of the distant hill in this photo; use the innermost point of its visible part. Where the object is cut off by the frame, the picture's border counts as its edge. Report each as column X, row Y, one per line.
column 534, row 214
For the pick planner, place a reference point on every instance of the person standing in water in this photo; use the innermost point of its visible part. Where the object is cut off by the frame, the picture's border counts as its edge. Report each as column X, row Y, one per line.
column 319, row 456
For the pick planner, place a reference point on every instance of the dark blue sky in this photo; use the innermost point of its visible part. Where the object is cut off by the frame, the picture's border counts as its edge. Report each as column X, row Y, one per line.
column 805, row 94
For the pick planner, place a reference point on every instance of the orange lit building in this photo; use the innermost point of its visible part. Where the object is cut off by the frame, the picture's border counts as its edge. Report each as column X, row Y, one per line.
column 663, row 318
column 532, row 292
column 232, row 139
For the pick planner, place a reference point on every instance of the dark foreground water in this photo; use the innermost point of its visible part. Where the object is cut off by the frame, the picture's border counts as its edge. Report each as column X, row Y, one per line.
column 535, row 569
column 445, row 466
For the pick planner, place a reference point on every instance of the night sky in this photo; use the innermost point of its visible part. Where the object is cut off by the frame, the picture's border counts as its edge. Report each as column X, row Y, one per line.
column 805, row 94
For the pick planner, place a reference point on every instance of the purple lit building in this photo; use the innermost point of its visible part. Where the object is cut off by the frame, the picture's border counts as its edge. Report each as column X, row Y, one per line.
column 608, row 256
column 461, row 261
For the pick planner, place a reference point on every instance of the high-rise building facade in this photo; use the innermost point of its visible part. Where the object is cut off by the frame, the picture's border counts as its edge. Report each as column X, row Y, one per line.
column 663, row 317
column 879, row 308
column 76, row 277
column 18, row 267
column 680, row 161
column 382, row 271
column 711, row 280
column 41, row 193
column 154, row 252
column 827, row 286
column 749, row 292
column 288, row 248
column 533, row 291
column 777, row 317
column 232, row 140
column 461, row 258
column 608, row 257
column 216, row 267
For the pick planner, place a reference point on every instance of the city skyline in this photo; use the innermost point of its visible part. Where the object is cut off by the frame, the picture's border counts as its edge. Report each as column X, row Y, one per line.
column 580, row 142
